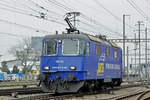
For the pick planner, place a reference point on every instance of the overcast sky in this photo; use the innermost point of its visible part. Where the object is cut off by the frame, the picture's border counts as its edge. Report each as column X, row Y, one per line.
column 20, row 18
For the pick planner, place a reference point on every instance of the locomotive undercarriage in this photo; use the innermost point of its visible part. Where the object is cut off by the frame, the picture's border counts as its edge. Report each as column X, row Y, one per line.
column 63, row 86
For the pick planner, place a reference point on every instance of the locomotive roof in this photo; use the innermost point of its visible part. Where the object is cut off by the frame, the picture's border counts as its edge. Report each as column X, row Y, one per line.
column 82, row 36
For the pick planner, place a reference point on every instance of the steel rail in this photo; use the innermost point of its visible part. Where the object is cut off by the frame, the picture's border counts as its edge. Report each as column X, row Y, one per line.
column 143, row 95
column 47, row 96
column 20, row 91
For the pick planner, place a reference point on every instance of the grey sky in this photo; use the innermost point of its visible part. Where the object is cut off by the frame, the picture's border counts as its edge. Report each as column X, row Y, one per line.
column 108, row 13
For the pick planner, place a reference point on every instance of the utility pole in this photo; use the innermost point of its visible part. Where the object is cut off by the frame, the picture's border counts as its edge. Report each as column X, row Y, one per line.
column 131, row 65
column 124, row 37
column 124, row 42
column 139, row 33
column 146, row 70
column 131, row 62
column 135, row 50
column 127, row 63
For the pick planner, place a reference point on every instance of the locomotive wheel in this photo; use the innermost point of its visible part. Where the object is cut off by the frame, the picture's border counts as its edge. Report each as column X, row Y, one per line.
column 52, row 86
column 44, row 87
column 92, row 88
column 48, row 87
column 118, row 83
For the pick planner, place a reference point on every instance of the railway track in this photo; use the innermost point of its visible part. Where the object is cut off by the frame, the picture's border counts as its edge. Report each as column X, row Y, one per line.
column 19, row 83
column 140, row 95
column 51, row 96
column 20, row 91
column 144, row 96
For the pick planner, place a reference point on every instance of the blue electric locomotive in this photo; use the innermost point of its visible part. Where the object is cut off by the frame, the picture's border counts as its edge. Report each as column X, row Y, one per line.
column 70, row 61
column 77, row 61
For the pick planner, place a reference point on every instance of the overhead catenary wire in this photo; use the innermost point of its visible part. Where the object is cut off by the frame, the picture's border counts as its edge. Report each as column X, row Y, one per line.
column 100, row 24
column 51, row 20
column 111, row 13
column 46, row 17
column 98, row 3
column 107, row 10
column 44, row 8
column 138, row 10
column 30, row 8
column 95, row 25
column 14, row 8
column 89, row 25
column 55, row 20
column 60, row 5
column 64, row 7
column 55, row 4
column 38, row 30
column 87, row 30
column 10, row 10
column 24, row 26
column 23, row 11
column 11, row 34
column 41, row 13
column 37, row 16
column 98, row 28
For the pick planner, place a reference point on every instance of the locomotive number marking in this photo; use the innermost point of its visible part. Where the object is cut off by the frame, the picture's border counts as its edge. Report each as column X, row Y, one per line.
column 100, row 68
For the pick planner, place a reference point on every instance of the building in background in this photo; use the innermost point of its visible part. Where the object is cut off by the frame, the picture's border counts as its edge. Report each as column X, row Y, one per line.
column 12, row 63
column 36, row 43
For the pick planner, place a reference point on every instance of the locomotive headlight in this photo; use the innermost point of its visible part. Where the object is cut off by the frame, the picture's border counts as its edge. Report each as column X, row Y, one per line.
column 72, row 67
column 46, row 68
column 59, row 41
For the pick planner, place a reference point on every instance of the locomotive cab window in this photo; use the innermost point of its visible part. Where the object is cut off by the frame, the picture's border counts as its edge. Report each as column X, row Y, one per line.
column 82, row 47
column 70, row 47
column 115, row 53
column 107, row 51
column 50, row 47
column 88, row 48
column 97, row 50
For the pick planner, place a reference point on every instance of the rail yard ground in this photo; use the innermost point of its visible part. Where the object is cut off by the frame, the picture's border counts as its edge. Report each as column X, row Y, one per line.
column 17, row 83
column 127, row 91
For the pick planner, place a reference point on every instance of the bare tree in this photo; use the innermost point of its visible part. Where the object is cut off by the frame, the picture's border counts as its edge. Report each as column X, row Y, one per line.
column 26, row 54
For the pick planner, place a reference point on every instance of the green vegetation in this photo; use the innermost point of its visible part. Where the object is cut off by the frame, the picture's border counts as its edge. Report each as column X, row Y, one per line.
column 15, row 69
column 5, row 67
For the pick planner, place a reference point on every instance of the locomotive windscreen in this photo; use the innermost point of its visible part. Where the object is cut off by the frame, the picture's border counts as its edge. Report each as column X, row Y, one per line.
column 50, row 47
column 70, row 47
